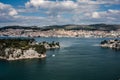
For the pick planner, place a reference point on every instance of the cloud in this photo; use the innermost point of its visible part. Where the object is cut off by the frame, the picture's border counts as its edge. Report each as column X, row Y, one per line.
column 6, row 9
column 54, row 8
column 95, row 15
column 7, row 12
column 108, row 1
column 51, row 4
column 96, row 2
column 49, row 12
column 106, row 14
column 11, row 16
column 109, row 16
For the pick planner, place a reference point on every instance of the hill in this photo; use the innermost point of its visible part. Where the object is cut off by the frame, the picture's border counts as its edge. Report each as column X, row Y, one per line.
column 105, row 27
column 102, row 27
column 21, row 27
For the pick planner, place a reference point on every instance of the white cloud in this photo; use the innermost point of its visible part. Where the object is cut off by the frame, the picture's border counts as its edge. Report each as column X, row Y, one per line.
column 7, row 13
column 109, row 16
column 114, row 11
column 108, row 1
column 52, row 7
column 59, row 12
column 95, row 15
column 6, row 9
column 13, row 12
column 51, row 4
column 55, row 8
column 10, row 16
column 99, row 2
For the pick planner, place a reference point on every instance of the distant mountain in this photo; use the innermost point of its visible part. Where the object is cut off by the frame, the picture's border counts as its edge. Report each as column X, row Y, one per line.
column 105, row 27
column 21, row 27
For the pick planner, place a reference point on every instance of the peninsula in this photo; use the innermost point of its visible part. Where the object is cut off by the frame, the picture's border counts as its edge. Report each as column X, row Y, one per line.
column 113, row 44
column 20, row 48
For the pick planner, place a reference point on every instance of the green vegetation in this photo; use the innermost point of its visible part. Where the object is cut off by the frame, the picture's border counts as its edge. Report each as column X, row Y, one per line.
column 15, row 43
column 103, row 42
column 40, row 48
column 113, row 44
column 104, row 27
column 23, row 44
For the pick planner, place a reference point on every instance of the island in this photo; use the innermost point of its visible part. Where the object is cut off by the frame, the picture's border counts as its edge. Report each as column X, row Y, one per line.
column 113, row 44
column 24, row 48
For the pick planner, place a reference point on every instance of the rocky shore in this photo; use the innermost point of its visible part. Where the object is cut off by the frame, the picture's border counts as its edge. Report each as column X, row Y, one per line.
column 113, row 44
column 15, row 49
column 15, row 54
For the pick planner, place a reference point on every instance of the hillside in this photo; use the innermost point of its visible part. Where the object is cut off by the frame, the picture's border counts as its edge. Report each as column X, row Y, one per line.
column 21, row 27
column 104, row 27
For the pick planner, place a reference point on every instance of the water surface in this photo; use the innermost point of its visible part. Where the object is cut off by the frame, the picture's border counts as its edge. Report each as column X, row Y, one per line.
column 77, row 59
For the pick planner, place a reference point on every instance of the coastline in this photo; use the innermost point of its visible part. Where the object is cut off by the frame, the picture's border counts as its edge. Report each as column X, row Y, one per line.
column 60, row 33
column 23, row 58
column 18, row 48
column 54, row 37
column 112, row 44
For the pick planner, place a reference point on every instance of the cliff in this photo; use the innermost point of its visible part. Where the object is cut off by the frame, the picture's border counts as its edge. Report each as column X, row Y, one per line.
column 15, row 54
column 14, row 49
column 113, row 44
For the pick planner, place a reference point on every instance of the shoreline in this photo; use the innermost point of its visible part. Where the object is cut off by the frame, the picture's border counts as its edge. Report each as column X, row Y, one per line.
column 23, row 58
column 18, row 48
column 60, row 33
column 52, row 37
column 112, row 44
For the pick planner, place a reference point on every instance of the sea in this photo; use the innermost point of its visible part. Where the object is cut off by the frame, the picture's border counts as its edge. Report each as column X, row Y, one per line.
column 77, row 59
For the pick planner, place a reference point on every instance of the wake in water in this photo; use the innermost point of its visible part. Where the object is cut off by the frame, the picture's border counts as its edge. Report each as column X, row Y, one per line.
column 65, row 44
column 95, row 45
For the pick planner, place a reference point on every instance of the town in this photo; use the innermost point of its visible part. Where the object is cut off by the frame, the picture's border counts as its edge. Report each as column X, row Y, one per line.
column 59, row 33
column 82, row 31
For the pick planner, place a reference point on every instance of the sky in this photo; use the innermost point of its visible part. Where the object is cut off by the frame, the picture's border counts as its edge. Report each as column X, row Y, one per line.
column 58, row 12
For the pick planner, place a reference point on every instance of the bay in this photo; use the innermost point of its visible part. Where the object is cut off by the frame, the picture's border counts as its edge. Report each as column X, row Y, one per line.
column 77, row 59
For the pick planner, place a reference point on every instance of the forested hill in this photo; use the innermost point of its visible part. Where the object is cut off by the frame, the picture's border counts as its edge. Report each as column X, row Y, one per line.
column 105, row 27
column 21, row 27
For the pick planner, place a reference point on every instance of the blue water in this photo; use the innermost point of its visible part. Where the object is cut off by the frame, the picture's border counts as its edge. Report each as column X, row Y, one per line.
column 77, row 59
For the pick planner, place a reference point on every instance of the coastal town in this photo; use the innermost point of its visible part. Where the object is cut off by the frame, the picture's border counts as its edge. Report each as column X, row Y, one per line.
column 60, row 33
